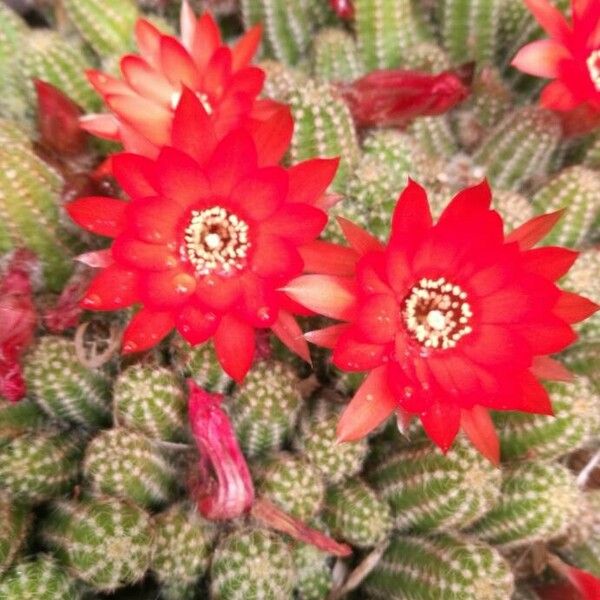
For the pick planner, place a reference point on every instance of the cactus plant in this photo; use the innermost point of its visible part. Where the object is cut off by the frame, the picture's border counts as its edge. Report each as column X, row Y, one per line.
column 313, row 575
column 16, row 419
column 251, row 564
column 16, row 520
column 105, row 542
column 335, row 56
column 429, row 491
column 150, row 400
column 127, row 465
column 63, row 387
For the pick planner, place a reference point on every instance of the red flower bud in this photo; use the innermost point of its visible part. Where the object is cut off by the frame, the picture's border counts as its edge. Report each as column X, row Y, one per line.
column 343, row 8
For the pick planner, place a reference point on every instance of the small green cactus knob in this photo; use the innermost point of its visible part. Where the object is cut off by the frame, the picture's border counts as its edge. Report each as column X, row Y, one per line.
column 264, row 408
column 151, row 400
column 127, row 465
column 30, row 213
column 294, row 485
column 575, row 423
column 443, row 566
column 317, row 442
column 313, row 575
column 201, row 364
column 353, row 512
column 519, row 148
column 280, row 79
column 105, row 542
column 323, row 127
column 252, row 564
column 106, row 25
column 182, row 542
column 427, row 490
column 434, row 135
column 19, row 418
column 387, row 31
column 574, row 189
column 63, row 387
column 15, row 519
column 39, row 579
column 538, row 502
column 335, row 56
column 38, row 467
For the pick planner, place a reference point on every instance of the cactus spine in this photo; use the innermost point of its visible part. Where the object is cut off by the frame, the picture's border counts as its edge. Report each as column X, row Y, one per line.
column 335, row 56
column 15, row 519
column 313, row 576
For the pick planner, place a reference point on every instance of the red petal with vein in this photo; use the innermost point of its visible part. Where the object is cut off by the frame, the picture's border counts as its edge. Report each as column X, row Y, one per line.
column 441, row 423
column 325, row 294
column 207, row 38
column 145, row 80
column 550, row 18
column 574, row 308
column 353, row 355
column 146, row 329
column 166, row 290
column 58, row 120
column 371, row 405
column 245, row 48
column 220, row 293
column 328, row 258
column 310, row 179
column 112, row 289
column 187, row 24
column 286, row 328
column 153, row 220
column 557, row 95
column 544, row 367
column 140, row 255
column 235, row 345
column 378, row 318
column 98, row 214
column 135, row 174
column 550, row 262
column 196, row 325
column 181, row 179
column 412, row 218
column 276, row 257
column 232, row 494
column 177, row 64
column 358, row 238
column 297, row 223
column 148, row 40
column 534, row 230
column 262, row 193
column 186, row 138
column 106, row 84
column 327, row 337
column 272, row 134
column 479, row 428
column 541, row 58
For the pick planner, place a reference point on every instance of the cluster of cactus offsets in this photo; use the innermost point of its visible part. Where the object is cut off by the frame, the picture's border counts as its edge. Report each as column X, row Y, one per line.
column 96, row 462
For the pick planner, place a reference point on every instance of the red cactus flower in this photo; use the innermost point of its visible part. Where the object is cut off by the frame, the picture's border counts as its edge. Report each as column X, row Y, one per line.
column 450, row 319
column 208, row 238
column 144, row 101
column 343, row 8
column 571, row 55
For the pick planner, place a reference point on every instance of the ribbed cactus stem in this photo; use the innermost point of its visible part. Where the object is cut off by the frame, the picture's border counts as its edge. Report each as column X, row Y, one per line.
column 335, row 56
column 313, row 575
column 15, row 519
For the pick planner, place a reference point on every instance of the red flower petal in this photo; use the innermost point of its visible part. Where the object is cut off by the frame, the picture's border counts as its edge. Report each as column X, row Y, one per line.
column 135, row 174
column 259, row 305
column 112, row 289
column 412, row 217
column 146, row 329
column 527, row 395
column 550, row 262
column 177, row 64
column 441, row 422
column 328, row 258
column 550, row 18
column 275, row 257
column 286, row 328
column 371, row 405
column 154, row 220
column 272, row 132
column 327, row 337
column 187, row 24
column 106, row 84
column 398, row 271
column 541, row 58
column 234, row 158
column 547, row 337
column 586, row 584
column 262, row 192
column 220, row 293
column 145, row 80
column 166, row 290
column 472, row 199
column 378, row 318
column 207, row 38
column 327, row 295
column 479, row 428
column 103, row 126
column 532, row 231
column 235, row 344
column 558, row 96
column 297, row 223
column 180, row 177
column 196, row 325
column 148, row 38
column 98, row 214
column 97, row 259
column 245, row 48
column 186, row 138
column 352, row 355
column 371, row 275
column 218, row 72
column 310, row 179
column 140, row 255
column 358, row 238
column 574, row 308
column 544, row 367
column 249, row 81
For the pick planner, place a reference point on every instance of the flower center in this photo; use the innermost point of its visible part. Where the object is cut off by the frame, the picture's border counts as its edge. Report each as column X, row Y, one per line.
column 216, row 239
column 437, row 313
column 593, row 65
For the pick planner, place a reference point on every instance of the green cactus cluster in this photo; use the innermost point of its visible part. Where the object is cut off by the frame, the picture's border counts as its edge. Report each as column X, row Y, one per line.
column 97, row 463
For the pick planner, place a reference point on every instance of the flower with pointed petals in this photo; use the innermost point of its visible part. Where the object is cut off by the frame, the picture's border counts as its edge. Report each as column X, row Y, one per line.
column 207, row 240
column 450, row 319
column 570, row 56
column 142, row 104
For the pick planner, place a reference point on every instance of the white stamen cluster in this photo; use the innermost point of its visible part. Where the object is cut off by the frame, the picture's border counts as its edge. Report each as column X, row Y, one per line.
column 437, row 313
column 593, row 65
column 216, row 239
